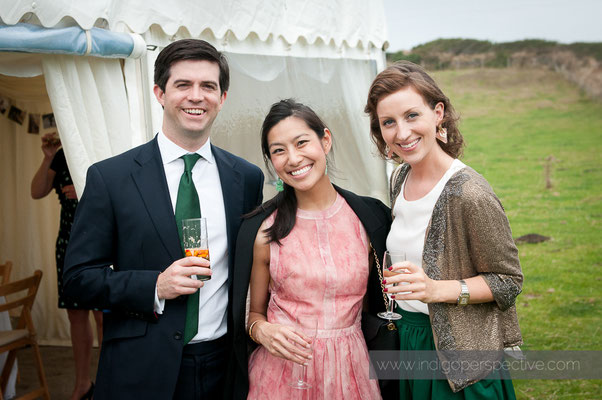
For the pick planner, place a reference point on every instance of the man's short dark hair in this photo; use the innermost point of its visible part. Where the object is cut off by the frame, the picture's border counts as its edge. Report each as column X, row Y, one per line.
column 190, row 49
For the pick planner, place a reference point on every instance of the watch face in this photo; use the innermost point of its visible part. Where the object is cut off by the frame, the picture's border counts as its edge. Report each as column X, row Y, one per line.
column 463, row 301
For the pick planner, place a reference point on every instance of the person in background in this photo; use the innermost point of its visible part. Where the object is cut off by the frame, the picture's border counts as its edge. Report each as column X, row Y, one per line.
column 456, row 291
column 306, row 251
column 53, row 173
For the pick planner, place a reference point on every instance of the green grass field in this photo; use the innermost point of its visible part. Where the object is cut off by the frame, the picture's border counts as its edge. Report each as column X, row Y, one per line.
column 512, row 121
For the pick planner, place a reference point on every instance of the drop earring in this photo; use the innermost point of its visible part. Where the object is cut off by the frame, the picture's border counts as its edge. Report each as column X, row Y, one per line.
column 279, row 185
column 388, row 152
column 442, row 134
column 326, row 170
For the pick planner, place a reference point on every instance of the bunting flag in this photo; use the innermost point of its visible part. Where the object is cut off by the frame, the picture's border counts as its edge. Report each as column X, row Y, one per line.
column 16, row 114
column 4, row 104
column 48, row 121
column 36, row 123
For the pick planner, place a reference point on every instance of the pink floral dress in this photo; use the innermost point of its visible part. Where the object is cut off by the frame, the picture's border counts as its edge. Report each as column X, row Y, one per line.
column 321, row 268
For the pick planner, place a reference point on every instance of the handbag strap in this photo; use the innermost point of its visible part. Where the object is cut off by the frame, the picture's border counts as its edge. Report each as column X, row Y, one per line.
column 380, row 277
column 390, row 325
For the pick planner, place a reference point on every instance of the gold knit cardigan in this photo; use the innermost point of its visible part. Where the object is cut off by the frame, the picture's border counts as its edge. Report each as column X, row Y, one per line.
column 469, row 235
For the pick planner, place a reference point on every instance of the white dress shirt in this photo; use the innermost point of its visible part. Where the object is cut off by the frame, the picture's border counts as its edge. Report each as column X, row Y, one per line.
column 410, row 220
column 213, row 296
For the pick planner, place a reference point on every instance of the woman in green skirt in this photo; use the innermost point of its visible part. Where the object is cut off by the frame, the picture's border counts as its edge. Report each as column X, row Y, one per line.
column 457, row 288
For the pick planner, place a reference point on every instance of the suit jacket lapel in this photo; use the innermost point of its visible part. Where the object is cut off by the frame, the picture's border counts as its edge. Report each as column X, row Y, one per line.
column 364, row 213
column 152, row 184
column 231, row 181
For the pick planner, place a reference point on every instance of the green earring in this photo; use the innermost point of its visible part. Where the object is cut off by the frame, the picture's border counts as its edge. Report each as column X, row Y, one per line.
column 326, row 170
column 279, row 185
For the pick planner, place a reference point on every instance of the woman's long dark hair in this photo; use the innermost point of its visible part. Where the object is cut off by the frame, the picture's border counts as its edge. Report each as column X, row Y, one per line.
column 285, row 201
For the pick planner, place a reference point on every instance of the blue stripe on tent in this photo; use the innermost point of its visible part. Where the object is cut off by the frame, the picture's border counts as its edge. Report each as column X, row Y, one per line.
column 70, row 40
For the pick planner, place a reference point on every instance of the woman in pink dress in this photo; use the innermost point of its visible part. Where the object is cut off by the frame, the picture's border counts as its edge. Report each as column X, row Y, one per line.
column 306, row 251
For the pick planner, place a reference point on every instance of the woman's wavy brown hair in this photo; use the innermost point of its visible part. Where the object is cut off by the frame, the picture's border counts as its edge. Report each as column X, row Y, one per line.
column 403, row 74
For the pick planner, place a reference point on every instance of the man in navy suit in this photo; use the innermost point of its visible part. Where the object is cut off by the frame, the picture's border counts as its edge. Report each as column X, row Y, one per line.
column 125, row 255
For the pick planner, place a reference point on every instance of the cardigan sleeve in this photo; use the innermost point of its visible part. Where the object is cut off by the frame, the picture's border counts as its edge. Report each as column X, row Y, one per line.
column 492, row 250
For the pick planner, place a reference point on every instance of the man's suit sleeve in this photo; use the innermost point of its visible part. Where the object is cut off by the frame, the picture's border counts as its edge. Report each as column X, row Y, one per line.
column 88, row 277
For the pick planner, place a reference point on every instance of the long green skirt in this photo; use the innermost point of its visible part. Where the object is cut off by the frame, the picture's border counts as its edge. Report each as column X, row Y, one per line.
column 415, row 333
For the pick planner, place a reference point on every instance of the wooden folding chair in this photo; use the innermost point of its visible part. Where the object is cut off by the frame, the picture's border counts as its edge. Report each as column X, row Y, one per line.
column 5, row 272
column 21, row 294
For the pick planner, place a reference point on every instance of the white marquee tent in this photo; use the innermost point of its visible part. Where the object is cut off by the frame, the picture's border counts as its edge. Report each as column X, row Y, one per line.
column 322, row 52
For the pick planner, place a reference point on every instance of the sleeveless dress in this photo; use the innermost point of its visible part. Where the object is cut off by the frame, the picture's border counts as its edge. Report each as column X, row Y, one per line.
column 63, row 178
column 321, row 268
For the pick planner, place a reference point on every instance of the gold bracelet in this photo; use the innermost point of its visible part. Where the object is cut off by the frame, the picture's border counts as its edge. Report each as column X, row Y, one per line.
column 251, row 331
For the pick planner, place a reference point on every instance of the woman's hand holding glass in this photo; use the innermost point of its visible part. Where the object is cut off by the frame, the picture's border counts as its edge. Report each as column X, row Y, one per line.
column 50, row 144
column 284, row 341
column 412, row 283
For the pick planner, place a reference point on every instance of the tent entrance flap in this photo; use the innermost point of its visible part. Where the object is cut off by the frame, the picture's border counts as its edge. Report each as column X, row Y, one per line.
column 96, row 42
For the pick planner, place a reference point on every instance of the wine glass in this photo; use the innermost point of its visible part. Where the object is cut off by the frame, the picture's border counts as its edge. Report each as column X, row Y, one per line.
column 195, row 240
column 308, row 324
column 390, row 258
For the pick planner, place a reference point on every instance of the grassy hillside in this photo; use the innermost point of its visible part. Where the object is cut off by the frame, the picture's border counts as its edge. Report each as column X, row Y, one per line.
column 580, row 63
column 431, row 53
column 513, row 120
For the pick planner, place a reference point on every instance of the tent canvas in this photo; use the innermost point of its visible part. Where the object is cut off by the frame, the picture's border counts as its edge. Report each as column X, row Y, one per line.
column 322, row 53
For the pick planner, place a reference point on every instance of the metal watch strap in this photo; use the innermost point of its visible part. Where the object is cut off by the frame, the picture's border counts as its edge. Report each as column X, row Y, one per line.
column 464, row 294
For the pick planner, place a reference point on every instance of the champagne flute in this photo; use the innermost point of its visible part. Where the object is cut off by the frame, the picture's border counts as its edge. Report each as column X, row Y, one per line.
column 308, row 324
column 390, row 258
column 195, row 240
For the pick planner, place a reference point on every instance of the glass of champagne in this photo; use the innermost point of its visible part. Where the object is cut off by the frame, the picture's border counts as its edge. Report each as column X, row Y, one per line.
column 308, row 324
column 195, row 240
column 390, row 258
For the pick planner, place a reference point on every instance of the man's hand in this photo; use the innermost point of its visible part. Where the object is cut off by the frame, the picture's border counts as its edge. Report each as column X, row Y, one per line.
column 177, row 279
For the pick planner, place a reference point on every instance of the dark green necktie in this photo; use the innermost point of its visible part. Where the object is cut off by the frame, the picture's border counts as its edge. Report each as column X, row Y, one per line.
column 188, row 206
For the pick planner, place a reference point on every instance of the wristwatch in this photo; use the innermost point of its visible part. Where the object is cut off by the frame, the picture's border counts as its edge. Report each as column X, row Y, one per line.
column 464, row 294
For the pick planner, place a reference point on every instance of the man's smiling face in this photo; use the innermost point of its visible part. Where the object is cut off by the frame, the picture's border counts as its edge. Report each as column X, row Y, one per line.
column 191, row 100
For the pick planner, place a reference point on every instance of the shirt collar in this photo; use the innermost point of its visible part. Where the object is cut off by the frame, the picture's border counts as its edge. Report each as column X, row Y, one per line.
column 171, row 151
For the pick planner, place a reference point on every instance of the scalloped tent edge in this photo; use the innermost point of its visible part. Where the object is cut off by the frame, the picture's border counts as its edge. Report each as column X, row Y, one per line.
column 366, row 30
